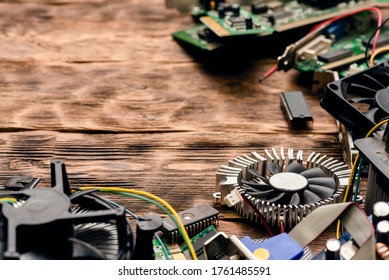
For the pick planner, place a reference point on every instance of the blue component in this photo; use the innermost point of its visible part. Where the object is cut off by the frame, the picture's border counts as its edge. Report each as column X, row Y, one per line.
column 337, row 29
column 280, row 247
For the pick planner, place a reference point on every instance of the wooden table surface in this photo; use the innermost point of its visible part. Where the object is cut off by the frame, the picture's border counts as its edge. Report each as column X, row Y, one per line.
column 103, row 86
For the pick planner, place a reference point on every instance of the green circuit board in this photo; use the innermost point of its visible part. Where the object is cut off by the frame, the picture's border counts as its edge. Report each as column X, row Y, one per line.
column 353, row 47
column 159, row 253
column 215, row 28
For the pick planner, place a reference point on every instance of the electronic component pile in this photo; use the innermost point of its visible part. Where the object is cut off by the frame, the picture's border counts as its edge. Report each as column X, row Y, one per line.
column 219, row 23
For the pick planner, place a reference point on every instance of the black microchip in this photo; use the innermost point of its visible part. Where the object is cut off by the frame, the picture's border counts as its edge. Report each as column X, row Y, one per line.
column 334, row 55
column 296, row 108
column 382, row 40
column 194, row 219
column 259, row 7
column 236, row 21
column 322, row 4
column 278, row 14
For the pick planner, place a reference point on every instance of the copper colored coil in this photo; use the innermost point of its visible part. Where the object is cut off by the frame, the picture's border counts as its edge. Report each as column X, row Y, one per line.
column 382, row 251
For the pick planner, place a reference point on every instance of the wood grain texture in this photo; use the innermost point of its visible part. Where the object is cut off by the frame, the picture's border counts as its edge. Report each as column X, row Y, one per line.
column 103, row 86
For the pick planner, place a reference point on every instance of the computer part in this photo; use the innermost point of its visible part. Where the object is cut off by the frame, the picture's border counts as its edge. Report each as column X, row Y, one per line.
column 54, row 223
column 229, row 22
column 375, row 150
column 194, row 219
column 359, row 101
column 282, row 186
column 334, row 46
column 198, row 243
column 296, row 109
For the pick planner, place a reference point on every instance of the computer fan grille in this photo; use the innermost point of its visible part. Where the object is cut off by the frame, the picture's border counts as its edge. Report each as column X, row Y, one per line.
column 324, row 177
column 101, row 235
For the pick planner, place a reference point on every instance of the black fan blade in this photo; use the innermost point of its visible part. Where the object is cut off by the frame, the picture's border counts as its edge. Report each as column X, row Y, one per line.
column 321, row 191
column 274, row 168
column 310, row 197
column 257, row 186
column 275, row 199
column 362, row 90
column 295, row 167
column 102, row 236
column 257, row 193
column 85, row 251
column 374, row 83
column 313, row 172
column 254, row 172
column 328, row 182
column 295, row 199
column 365, row 100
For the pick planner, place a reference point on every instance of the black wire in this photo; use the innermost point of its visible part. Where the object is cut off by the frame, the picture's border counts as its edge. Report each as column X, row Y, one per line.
column 371, row 38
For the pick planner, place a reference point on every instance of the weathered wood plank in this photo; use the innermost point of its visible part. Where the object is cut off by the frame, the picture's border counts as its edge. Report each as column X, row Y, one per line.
column 103, row 86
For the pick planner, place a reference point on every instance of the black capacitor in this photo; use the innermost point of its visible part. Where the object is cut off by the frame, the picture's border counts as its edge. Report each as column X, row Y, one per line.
column 382, row 232
column 272, row 19
column 332, row 249
column 221, row 10
column 235, row 9
column 145, row 229
column 380, row 212
column 249, row 23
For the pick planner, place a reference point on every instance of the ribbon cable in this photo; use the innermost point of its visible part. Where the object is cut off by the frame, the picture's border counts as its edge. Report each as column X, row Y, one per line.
column 354, row 220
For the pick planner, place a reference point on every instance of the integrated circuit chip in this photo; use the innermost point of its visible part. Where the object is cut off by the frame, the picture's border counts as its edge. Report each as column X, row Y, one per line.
column 382, row 40
column 194, row 219
column 335, row 55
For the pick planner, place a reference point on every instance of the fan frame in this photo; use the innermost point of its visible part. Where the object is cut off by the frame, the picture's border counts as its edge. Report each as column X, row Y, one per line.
column 335, row 102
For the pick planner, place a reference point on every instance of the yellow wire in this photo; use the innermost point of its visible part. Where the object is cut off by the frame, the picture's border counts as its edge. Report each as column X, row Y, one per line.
column 353, row 170
column 160, row 200
column 9, row 199
column 380, row 50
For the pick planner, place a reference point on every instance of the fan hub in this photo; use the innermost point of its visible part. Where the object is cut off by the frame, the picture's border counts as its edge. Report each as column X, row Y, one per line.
column 43, row 205
column 288, row 182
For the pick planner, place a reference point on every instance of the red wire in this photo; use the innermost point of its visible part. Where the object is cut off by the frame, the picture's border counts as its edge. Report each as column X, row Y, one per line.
column 331, row 20
column 258, row 214
column 269, row 72
column 282, row 229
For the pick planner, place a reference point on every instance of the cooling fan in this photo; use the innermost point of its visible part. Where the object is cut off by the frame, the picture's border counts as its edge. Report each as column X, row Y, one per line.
column 359, row 101
column 53, row 223
column 283, row 189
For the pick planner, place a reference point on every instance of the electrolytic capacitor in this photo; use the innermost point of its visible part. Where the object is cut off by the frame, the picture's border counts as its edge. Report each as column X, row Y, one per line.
column 380, row 212
column 235, row 8
column 333, row 249
column 382, row 232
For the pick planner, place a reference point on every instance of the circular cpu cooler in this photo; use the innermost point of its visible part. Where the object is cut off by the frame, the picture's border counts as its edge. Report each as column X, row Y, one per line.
column 281, row 185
